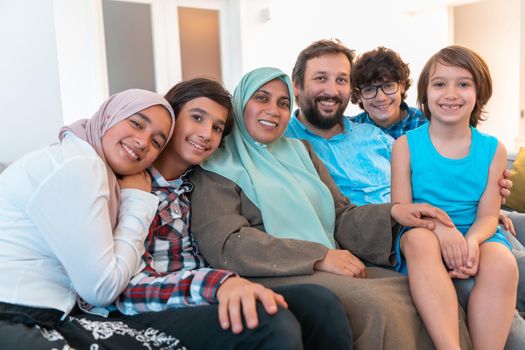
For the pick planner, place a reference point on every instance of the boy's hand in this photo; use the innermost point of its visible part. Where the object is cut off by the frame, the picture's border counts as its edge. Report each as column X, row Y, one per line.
column 237, row 297
column 505, row 185
column 342, row 262
column 506, row 222
column 139, row 181
column 411, row 215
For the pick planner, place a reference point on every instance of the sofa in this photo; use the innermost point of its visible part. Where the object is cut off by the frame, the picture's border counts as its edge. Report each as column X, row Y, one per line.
column 510, row 160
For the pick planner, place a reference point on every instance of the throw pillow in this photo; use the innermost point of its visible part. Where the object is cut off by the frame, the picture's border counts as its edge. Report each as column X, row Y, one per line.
column 516, row 199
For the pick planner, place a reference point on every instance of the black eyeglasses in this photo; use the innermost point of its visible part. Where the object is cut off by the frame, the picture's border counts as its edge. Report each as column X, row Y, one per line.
column 370, row 91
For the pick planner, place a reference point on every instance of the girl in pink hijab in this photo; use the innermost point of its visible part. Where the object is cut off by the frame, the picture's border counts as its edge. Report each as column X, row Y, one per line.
column 73, row 218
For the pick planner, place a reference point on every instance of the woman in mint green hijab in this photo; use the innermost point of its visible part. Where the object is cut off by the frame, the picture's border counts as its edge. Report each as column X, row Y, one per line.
column 276, row 173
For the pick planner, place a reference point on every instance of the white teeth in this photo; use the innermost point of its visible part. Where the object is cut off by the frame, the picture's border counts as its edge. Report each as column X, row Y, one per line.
column 130, row 152
column 327, row 102
column 196, row 145
column 267, row 123
column 451, row 107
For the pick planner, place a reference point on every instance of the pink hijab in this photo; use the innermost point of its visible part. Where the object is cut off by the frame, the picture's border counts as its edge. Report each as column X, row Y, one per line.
column 118, row 107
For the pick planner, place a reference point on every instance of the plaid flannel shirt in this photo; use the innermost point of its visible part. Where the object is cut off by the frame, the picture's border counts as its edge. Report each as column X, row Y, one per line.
column 414, row 118
column 174, row 273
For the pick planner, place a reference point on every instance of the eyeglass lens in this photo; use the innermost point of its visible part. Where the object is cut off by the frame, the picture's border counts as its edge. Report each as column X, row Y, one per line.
column 388, row 88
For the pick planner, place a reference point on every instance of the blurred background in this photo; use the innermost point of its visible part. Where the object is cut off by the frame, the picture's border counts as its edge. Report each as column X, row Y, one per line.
column 61, row 58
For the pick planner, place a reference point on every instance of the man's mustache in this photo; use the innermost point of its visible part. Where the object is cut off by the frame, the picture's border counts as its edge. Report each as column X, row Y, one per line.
column 334, row 98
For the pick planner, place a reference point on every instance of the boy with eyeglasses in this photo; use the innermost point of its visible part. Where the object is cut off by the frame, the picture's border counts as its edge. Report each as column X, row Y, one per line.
column 379, row 82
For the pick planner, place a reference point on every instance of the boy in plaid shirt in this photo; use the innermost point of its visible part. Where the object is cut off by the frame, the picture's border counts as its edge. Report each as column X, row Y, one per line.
column 174, row 275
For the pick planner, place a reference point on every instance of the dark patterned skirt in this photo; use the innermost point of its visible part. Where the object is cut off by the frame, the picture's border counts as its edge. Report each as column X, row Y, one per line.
column 23, row 327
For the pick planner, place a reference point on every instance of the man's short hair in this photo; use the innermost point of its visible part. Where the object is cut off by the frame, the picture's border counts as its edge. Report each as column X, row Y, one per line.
column 316, row 49
column 378, row 65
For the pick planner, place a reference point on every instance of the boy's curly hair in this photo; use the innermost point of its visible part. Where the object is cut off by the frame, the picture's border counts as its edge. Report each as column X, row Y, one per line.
column 378, row 65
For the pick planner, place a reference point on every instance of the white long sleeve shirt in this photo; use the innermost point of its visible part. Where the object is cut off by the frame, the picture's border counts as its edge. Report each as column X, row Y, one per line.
column 56, row 238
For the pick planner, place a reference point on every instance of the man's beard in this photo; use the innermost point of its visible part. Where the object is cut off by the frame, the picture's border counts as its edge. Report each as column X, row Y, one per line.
column 314, row 116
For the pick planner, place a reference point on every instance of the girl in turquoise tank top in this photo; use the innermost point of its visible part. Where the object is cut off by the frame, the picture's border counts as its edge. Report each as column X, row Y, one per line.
column 448, row 163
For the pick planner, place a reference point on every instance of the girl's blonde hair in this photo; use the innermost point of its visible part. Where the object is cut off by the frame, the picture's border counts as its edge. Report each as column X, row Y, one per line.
column 465, row 58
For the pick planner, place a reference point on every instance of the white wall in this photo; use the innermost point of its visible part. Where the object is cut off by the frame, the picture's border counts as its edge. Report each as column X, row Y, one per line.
column 81, row 56
column 48, row 72
column 521, row 139
column 30, row 104
column 494, row 32
column 416, row 30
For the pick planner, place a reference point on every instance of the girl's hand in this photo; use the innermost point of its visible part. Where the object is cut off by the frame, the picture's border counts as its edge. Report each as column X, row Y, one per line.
column 458, row 274
column 453, row 246
column 139, row 181
column 412, row 215
column 237, row 298
column 472, row 263
column 342, row 262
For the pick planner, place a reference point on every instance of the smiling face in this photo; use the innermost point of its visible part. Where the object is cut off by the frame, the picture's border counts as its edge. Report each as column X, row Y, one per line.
column 326, row 91
column 131, row 145
column 198, row 133
column 451, row 94
column 267, row 112
column 384, row 109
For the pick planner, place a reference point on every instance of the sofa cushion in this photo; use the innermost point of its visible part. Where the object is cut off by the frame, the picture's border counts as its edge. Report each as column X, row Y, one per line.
column 516, row 199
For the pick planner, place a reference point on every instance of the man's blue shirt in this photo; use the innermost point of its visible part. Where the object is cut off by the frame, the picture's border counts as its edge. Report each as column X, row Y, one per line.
column 358, row 159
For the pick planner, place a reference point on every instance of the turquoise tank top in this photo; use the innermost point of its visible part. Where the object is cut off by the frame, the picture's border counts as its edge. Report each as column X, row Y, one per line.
column 454, row 185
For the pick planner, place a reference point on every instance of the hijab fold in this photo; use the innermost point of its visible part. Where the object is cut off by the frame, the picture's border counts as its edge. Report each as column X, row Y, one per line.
column 279, row 178
column 115, row 109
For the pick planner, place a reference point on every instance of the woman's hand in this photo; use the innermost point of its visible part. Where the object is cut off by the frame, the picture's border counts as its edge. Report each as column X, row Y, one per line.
column 342, row 262
column 139, row 181
column 411, row 215
column 237, row 297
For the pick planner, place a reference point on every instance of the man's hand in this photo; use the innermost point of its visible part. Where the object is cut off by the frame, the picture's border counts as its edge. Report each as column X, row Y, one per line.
column 411, row 215
column 139, row 181
column 237, row 297
column 342, row 262
column 505, row 185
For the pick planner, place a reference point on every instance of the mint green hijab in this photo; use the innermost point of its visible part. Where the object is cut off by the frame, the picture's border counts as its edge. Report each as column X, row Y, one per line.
column 279, row 178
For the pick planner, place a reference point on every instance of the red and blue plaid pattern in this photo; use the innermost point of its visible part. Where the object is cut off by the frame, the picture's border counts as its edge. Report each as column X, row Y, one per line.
column 175, row 275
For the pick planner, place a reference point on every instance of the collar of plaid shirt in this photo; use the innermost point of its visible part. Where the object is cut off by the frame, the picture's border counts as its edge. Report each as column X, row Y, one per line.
column 168, row 192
